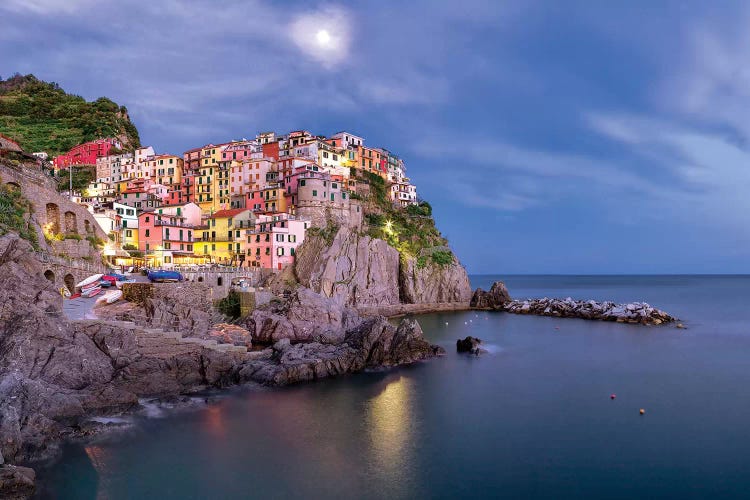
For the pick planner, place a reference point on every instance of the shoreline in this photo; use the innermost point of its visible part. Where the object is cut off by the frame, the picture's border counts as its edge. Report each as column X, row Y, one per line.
column 398, row 310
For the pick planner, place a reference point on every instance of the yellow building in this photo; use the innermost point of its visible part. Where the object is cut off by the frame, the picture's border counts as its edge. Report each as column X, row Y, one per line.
column 207, row 180
column 222, row 236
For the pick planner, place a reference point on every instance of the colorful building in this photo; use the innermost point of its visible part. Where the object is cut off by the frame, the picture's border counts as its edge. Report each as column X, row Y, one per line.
column 222, row 234
column 87, row 153
column 273, row 242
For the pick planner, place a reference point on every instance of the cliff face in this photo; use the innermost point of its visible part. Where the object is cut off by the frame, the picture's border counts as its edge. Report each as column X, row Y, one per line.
column 360, row 271
column 355, row 270
column 433, row 283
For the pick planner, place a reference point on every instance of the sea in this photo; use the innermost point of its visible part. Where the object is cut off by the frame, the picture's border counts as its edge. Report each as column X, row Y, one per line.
column 552, row 411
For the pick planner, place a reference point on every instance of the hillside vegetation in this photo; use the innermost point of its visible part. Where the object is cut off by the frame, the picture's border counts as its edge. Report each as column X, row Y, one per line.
column 41, row 116
column 410, row 230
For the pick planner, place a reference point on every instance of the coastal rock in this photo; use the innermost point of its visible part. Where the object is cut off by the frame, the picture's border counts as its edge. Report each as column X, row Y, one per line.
column 373, row 343
column 359, row 271
column 302, row 315
column 225, row 333
column 471, row 345
column 635, row 312
column 495, row 299
column 433, row 283
column 16, row 483
column 351, row 268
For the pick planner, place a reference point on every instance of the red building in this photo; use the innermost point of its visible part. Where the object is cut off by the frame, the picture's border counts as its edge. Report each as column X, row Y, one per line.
column 86, row 153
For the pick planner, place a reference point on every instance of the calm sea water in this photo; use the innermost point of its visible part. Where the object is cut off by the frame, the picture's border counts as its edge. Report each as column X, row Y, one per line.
column 532, row 419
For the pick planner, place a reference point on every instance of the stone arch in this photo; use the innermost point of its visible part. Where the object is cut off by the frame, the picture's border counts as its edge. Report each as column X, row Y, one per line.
column 13, row 185
column 53, row 218
column 49, row 275
column 70, row 282
column 71, row 223
column 87, row 226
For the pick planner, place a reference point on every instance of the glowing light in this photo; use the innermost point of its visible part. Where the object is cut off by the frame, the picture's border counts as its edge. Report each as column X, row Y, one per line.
column 389, row 226
column 323, row 37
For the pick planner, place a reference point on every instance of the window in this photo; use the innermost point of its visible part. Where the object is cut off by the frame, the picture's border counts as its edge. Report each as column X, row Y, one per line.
column 167, row 246
column 302, row 182
column 124, row 223
column 291, row 252
column 280, row 251
column 331, row 196
column 190, row 248
column 148, row 233
column 229, row 247
column 213, row 247
column 205, row 249
column 343, row 196
column 334, row 185
column 147, row 246
column 315, row 192
column 128, row 233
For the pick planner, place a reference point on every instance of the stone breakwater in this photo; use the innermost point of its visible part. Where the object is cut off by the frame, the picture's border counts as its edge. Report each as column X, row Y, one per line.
column 635, row 312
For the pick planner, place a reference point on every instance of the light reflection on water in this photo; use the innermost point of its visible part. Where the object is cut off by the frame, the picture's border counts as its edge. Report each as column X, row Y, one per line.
column 388, row 419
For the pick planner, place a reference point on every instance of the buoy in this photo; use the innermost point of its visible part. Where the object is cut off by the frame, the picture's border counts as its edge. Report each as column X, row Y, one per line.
column 612, row 396
column 446, row 322
column 643, row 411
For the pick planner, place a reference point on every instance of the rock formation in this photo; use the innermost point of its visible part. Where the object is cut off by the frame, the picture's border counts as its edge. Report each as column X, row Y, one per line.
column 495, row 299
column 351, row 268
column 373, row 343
column 471, row 345
column 302, row 315
column 433, row 283
column 635, row 312
column 360, row 271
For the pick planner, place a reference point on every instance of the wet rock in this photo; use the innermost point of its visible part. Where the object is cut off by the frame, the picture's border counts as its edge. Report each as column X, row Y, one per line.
column 17, row 483
column 471, row 345
column 495, row 299
column 632, row 313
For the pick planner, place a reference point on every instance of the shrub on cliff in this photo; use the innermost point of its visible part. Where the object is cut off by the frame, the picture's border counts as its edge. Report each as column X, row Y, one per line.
column 14, row 212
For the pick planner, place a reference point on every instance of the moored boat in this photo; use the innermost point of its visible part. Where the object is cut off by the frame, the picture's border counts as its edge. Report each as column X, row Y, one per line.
column 91, row 279
column 165, row 276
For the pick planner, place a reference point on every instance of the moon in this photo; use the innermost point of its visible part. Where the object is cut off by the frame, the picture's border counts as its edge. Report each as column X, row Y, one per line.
column 323, row 37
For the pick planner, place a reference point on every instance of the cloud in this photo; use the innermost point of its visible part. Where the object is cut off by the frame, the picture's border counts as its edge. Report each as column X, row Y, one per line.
column 46, row 7
column 323, row 35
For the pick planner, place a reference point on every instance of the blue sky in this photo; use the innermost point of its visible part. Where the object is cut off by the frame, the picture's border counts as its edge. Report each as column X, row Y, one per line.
column 550, row 137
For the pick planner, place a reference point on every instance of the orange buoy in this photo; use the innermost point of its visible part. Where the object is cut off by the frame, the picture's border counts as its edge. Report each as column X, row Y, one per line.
column 643, row 411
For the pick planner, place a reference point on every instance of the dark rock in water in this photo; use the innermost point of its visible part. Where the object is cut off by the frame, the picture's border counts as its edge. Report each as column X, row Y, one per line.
column 495, row 299
column 471, row 345
column 16, row 483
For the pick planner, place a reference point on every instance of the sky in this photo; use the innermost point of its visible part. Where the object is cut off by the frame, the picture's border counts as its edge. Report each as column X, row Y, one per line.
column 550, row 137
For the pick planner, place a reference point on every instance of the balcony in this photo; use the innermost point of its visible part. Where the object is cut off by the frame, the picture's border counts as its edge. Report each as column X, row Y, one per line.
column 173, row 224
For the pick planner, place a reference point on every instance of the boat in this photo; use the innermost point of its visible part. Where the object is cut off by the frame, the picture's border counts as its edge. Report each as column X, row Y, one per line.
column 114, row 277
column 89, row 286
column 91, row 291
column 109, row 277
column 75, row 296
column 119, row 284
column 91, row 279
column 106, row 284
column 110, row 297
column 164, row 276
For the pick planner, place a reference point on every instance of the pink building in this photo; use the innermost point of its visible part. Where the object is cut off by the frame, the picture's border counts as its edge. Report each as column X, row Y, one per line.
column 164, row 237
column 273, row 243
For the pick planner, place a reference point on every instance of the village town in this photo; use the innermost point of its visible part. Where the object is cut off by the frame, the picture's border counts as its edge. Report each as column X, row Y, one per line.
column 244, row 203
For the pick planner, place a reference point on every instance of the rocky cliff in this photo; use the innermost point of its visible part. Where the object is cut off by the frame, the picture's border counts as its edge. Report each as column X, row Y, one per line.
column 55, row 374
column 360, row 271
column 433, row 283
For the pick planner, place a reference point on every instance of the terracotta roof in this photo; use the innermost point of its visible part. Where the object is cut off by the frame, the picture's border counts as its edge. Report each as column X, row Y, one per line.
column 229, row 213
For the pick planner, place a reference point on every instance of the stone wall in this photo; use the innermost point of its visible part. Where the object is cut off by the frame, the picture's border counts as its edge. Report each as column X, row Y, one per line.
column 220, row 281
column 51, row 210
column 320, row 212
